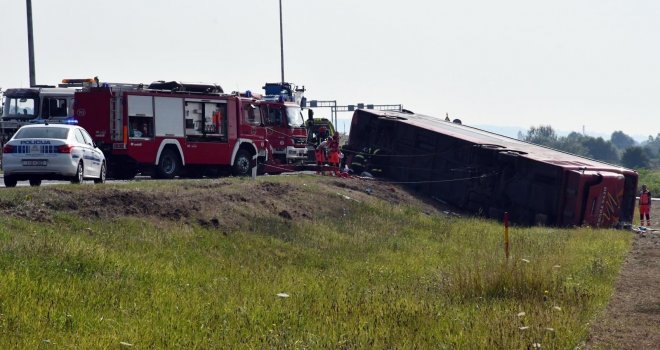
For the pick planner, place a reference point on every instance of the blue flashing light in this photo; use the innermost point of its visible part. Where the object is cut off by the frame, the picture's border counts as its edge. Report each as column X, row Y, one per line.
column 38, row 121
column 70, row 121
column 248, row 93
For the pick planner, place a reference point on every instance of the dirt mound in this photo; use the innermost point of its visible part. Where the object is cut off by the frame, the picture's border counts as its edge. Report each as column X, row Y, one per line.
column 221, row 204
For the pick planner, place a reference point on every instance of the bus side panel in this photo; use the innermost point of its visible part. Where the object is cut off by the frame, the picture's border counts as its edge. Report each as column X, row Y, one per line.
column 488, row 179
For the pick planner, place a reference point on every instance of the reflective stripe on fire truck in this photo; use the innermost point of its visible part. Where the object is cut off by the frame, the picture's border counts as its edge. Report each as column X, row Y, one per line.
column 238, row 144
column 170, row 142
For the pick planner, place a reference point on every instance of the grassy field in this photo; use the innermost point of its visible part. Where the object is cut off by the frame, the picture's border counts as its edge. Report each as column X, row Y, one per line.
column 373, row 275
column 652, row 179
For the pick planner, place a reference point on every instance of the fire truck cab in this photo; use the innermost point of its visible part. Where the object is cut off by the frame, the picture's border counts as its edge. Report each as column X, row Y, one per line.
column 28, row 105
column 170, row 129
column 285, row 126
column 285, row 130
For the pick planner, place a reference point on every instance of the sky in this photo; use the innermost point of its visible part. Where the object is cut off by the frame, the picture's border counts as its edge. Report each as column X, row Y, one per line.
column 576, row 65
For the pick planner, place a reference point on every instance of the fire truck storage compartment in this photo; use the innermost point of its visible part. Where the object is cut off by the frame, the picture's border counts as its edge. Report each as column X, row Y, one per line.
column 140, row 115
column 140, row 106
column 169, row 116
column 206, row 118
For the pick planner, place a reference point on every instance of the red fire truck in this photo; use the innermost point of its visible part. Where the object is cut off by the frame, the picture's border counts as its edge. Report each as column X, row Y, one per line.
column 286, row 134
column 170, row 129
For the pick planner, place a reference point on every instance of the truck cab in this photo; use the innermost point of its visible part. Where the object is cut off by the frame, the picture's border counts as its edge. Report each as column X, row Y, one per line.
column 27, row 105
column 285, row 130
column 284, row 122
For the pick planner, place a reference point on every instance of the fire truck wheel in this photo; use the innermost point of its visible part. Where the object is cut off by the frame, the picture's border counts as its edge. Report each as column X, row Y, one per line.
column 242, row 163
column 168, row 165
column 80, row 174
column 10, row 181
column 101, row 178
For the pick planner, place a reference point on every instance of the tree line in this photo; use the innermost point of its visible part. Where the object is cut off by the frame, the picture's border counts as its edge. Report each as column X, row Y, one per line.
column 619, row 149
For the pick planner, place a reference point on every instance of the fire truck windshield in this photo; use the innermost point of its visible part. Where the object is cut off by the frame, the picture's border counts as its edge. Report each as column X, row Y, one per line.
column 294, row 117
column 19, row 106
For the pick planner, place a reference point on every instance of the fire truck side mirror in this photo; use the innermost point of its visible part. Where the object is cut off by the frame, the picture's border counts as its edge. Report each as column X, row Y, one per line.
column 310, row 114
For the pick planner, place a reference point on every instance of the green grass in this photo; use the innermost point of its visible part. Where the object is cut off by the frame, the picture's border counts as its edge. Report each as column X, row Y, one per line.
column 652, row 180
column 379, row 277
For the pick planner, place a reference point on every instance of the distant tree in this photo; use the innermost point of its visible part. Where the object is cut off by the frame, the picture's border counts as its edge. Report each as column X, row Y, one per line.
column 601, row 149
column 573, row 143
column 635, row 157
column 542, row 135
column 652, row 144
column 621, row 140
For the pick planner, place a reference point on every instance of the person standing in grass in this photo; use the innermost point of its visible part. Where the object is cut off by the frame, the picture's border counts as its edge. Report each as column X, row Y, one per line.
column 645, row 206
column 320, row 154
column 333, row 157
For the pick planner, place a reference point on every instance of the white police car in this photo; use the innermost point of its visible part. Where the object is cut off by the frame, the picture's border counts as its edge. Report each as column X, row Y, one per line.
column 52, row 152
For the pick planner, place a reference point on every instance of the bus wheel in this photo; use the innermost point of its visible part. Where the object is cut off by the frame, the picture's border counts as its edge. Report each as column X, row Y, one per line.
column 168, row 165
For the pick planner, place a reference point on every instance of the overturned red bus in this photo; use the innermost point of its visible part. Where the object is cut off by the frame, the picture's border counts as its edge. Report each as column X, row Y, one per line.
column 490, row 174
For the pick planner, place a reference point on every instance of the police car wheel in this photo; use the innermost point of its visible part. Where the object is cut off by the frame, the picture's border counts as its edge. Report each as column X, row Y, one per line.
column 10, row 181
column 35, row 182
column 80, row 174
column 102, row 174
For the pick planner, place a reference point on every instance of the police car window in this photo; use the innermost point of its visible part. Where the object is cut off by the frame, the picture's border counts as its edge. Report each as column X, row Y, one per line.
column 42, row 133
column 79, row 137
column 88, row 139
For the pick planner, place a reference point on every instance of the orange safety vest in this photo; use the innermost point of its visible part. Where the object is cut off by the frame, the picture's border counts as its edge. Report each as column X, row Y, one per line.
column 645, row 198
column 320, row 156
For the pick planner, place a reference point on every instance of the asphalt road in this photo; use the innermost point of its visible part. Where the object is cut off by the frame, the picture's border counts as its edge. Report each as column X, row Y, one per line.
column 53, row 182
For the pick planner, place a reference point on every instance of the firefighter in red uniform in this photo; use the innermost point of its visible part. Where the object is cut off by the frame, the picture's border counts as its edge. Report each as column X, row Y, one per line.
column 319, row 153
column 645, row 206
column 333, row 147
column 323, row 133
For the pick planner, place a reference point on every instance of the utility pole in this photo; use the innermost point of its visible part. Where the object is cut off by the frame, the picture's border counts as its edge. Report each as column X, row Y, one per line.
column 33, row 78
column 281, row 44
